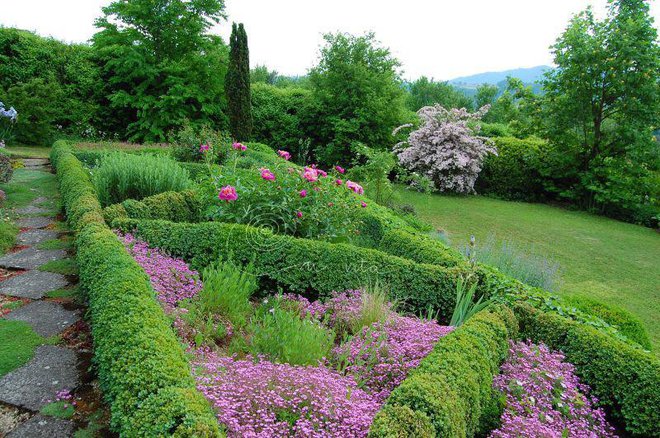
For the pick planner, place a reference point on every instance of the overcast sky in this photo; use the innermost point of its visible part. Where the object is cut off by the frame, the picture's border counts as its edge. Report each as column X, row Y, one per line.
column 437, row 38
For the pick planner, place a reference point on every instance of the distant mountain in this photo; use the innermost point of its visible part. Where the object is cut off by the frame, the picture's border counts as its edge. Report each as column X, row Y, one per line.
column 527, row 75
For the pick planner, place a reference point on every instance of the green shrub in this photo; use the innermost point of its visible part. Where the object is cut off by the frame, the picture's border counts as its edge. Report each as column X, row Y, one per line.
column 173, row 206
column 186, row 142
column 420, row 248
column 283, row 336
column 142, row 368
column 626, row 380
column 125, row 176
column 227, row 290
column 401, row 422
column 6, row 169
column 627, row 323
column 452, row 386
column 514, row 173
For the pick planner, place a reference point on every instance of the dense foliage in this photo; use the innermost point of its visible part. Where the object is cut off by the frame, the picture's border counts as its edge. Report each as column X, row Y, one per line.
column 159, row 66
column 237, row 85
column 356, row 97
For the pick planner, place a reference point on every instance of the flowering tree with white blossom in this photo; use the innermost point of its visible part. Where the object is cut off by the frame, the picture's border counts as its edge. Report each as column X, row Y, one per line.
column 446, row 147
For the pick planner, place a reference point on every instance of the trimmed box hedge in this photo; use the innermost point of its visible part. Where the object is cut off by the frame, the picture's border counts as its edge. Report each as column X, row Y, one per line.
column 310, row 267
column 450, row 393
column 142, row 368
column 625, row 379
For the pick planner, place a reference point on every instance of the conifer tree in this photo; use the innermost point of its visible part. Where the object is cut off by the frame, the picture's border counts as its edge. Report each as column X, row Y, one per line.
column 237, row 85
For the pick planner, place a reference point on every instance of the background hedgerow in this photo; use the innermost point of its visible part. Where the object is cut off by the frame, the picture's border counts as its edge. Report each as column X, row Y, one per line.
column 122, row 176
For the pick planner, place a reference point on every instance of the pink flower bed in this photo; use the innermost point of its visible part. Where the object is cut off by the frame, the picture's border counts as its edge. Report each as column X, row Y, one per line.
column 264, row 399
column 171, row 278
column 544, row 397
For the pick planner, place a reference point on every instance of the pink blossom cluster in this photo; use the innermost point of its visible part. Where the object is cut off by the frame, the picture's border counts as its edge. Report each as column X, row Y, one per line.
column 171, row 278
column 544, row 397
column 264, row 399
column 446, row 148
column 381, row 355
column 284, row 154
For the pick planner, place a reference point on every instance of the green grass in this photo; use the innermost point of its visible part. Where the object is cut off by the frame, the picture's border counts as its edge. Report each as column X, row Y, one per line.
column 71, row 292
column 63, row 266
column 600, row 258
column 56, row 244
column 58, row 409
column 18, row 344
column 28, row 151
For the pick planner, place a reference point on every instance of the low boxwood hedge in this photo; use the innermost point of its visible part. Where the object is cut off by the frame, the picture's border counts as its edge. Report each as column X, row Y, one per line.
column 173, row 206
column 142, row 368
column 625, row 379
column 310, row 267
column 450, row 394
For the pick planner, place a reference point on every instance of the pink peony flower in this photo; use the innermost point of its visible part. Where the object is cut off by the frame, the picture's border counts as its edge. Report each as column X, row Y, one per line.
column 239, row 146
column 204, row 147
column 323, row 173
column 299, row 214
column 284, row 154
column 363, row 204
column 267, row 174
column 310, row 174
column 340, row 169
column 303, row 193
column 339, row 182
column 228, row 193
column 357, row 188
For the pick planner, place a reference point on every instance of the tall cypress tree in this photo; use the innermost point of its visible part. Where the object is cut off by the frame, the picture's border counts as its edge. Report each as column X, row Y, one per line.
column 237, row 85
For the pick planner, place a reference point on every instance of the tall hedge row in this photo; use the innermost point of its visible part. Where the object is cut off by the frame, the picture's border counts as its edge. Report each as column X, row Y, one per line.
column 143, row 371
column 450, row 393
column 626, row 380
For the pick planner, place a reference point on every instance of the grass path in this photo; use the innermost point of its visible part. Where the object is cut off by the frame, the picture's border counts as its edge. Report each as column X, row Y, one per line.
column 600, row 258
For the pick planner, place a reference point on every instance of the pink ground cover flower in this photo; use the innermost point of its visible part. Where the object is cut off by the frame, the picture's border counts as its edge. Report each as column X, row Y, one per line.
column 171, row 278
column 239, row 146
column 357, row 188
column 267, row 174
column 265, row 399
column 284, row 154
column 228, row 193
column 544, row 397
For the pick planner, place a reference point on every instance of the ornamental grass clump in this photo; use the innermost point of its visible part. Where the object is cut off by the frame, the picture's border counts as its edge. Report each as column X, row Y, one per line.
column 124, row 176
column 227, row 290
column 264, row 399
column 544, row 397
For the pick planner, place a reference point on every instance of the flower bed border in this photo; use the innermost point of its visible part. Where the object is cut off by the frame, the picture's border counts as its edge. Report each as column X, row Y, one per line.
column 142, row 368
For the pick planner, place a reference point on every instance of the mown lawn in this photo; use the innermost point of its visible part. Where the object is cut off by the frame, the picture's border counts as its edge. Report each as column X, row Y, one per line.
column 600, row 258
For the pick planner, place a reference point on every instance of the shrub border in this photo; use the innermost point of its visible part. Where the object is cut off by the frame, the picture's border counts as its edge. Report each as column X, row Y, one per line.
column 143, row 371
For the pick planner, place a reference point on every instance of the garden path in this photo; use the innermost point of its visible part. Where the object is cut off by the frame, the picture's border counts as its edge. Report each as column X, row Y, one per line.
column 54, row 368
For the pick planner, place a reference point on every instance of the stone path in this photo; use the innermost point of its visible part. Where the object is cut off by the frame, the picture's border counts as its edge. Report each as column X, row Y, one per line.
column 26, row 390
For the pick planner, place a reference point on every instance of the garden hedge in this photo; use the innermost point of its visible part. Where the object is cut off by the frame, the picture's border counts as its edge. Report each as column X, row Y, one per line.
column 450, row 393
column 142, row 368
column 625, row 379
column 310, row 267
column 173, row 206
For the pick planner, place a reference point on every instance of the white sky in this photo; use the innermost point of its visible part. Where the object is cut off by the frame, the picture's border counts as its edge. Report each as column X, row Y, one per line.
column 437, row 38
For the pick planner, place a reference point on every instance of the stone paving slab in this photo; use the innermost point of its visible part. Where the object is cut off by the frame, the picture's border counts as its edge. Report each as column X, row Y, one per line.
column 51, row 370
column 33, row 284
column 35, row 162
column 32, row 237
column 33, row 209
column 41, row 426
column 47, row 318
column 34, row 222
column 31, row 258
